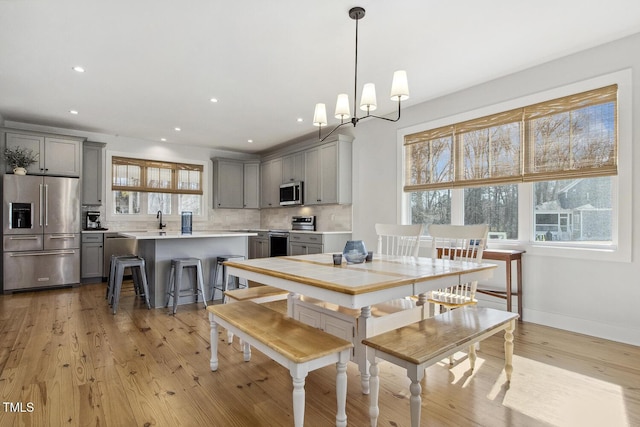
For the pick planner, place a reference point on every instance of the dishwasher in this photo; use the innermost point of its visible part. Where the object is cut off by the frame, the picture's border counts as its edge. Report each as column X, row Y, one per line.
column 115, row 244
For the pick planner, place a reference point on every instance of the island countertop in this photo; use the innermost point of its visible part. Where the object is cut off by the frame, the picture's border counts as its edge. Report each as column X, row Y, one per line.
column 163, row 235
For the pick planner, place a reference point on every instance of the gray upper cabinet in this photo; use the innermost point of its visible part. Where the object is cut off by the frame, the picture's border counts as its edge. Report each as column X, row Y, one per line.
column 92, row 173
column 57, row 155
column 235, row 184
column 293, row 167
column 270, row 180
column 328, row 173
column 228, row 177
column 251, row 185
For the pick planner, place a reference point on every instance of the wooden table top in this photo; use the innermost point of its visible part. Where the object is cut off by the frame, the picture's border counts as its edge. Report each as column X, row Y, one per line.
column 383, row 272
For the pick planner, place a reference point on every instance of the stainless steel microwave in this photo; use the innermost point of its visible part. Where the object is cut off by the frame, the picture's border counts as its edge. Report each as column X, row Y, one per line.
column 291, row 193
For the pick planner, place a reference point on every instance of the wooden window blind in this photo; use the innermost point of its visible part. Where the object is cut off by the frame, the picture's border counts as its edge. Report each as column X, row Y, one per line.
column 569, row 137
column 155, row 177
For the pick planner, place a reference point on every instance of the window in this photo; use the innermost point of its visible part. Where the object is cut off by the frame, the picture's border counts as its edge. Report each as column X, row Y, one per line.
column 146, row 187
column 563, row 152
column 576, row 210
column 496, row 206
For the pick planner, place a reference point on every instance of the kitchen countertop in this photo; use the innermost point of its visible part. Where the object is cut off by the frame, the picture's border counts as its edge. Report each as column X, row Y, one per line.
column 318, row 232
column 162, row 235
column 173, row 234
column 264, row 230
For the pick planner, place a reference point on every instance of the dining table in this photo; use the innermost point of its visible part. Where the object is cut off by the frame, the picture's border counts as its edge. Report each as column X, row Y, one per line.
column 359, row 288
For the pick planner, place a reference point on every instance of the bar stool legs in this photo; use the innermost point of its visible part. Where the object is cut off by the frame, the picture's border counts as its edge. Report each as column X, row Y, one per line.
column 111, row 278
column 224, row 285
column 138, row 270
column 175, row 281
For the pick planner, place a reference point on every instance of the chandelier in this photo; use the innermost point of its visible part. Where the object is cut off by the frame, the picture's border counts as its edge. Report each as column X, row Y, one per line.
column 399, row 93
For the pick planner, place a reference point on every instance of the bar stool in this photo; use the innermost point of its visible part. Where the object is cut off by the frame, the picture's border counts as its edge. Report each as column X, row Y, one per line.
column 112, row 274
column 224, row 285
column 175, row 281
column 138, row 268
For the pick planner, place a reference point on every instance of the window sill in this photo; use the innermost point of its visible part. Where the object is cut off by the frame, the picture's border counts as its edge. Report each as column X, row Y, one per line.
column 568, row 250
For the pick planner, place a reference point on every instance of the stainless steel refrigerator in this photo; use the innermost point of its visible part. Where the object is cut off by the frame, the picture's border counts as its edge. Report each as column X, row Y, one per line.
column 41, row 232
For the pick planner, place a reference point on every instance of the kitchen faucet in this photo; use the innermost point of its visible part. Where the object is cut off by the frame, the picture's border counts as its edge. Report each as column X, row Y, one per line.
column 159, row 215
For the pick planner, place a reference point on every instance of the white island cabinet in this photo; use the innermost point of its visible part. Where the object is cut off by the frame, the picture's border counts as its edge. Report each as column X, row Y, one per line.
column 158, row 248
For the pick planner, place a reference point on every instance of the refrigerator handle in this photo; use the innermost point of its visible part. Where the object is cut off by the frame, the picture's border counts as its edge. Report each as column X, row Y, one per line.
column 40, row 207
column 46, row 205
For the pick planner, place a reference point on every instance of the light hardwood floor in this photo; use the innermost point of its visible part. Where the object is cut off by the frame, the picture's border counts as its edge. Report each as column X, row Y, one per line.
column 65, row 354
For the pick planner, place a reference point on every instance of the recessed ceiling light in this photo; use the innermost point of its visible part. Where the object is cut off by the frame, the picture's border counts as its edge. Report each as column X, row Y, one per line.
column 73, row 111
column 163, row 139
column 177, row 129
column 250, row 141
column 78, row 69
column 214, row 100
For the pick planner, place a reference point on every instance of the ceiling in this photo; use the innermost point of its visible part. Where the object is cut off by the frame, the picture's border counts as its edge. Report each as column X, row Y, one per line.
column 153, row 65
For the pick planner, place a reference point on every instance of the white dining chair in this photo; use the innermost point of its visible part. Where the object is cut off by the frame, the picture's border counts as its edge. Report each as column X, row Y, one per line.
column 462, row 243
column 399, row 239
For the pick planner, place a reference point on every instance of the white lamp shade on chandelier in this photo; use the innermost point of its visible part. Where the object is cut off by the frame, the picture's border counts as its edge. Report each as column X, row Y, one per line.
column 320, row 115
column 368, row 102
column 399, row 86
column 342, row 107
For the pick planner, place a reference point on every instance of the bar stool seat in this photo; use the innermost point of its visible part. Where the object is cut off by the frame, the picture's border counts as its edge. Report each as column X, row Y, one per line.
column 223, row 286
column 138, row 270
column 175, row 289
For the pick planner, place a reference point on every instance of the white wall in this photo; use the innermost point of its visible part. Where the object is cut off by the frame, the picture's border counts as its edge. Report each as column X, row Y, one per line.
column 594, row 297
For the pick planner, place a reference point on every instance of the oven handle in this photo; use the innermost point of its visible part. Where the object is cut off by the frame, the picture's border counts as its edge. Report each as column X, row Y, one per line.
column 279, row 235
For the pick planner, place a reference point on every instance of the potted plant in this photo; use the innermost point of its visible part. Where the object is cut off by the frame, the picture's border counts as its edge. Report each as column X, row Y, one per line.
column 20, row 158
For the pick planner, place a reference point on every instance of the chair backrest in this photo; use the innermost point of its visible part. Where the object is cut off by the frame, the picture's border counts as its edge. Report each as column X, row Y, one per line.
column 397, row 239
column 461, row 242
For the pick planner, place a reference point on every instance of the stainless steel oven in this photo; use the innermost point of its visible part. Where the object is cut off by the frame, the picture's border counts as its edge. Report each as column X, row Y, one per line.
column 278, row 242
column 279, row 239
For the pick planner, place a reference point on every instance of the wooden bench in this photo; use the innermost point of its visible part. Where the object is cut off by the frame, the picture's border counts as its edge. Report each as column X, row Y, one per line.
column 294, row 345
column 257, row 294
column 419, row 345
column 261, row 294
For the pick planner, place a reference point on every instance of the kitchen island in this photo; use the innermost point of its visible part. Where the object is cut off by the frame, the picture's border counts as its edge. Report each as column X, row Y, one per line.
column 158, row 248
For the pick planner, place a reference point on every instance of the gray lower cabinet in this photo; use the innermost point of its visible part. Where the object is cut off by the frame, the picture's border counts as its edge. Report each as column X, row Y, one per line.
column 304, row 244
column 259, row 245
column 301, row 243
column 92, row 257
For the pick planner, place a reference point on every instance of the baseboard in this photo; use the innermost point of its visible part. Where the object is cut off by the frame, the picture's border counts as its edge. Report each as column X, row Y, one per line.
column 617, row 333
column 627, row 335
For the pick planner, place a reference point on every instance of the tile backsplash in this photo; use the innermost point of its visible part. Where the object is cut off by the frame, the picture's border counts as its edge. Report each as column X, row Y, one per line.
column 328, row 218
